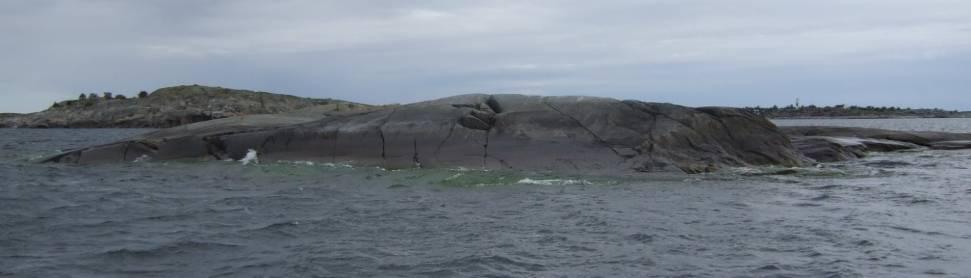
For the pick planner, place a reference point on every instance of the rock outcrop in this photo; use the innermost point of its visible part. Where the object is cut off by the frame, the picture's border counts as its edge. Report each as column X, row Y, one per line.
column 172, row 106
column 484, row 131
column 6, row 119
column 829, row 144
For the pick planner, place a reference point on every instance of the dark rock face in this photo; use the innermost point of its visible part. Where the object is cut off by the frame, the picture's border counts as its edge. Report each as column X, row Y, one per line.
column 829, row 144
column 490, row 131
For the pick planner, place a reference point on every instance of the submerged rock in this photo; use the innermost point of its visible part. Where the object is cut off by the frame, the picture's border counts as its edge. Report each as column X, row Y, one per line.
column 490, row 131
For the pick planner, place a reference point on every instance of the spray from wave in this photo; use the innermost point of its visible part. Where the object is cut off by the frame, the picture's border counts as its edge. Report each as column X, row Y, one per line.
column 251, row 157
column 553, row 182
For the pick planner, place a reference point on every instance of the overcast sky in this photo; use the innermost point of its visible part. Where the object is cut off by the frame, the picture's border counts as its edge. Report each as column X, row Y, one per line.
column 912, row 53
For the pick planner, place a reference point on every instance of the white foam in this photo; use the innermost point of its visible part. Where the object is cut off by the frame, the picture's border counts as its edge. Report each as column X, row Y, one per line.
column 143, row 158
column 313, row 163
column 457, row 175
column 251, row 157
column 338, row 165
column 297, row 162
column 746, row 170
column 553, row 182
column 464, row 169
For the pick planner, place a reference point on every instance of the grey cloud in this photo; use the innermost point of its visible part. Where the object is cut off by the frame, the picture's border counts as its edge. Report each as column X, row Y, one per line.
column 705, row 52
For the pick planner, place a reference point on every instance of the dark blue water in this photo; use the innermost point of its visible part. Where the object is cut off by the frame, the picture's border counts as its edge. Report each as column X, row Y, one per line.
column 890, row 215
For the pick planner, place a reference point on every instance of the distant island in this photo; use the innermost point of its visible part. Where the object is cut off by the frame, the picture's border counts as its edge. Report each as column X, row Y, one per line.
column 172, row 106
column 844, row 111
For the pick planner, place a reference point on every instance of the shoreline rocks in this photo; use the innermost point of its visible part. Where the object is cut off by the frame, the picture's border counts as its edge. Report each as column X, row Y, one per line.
column 830, row 144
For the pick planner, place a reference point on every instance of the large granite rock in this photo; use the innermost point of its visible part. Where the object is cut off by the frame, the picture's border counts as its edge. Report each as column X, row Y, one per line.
column 491, row 131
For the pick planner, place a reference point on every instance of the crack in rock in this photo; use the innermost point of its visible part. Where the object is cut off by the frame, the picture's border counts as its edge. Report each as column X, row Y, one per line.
column 595, row 136
column 441, row 144
column 414, row 158
column 381, row 133
column 124, row 156
column 485, row 149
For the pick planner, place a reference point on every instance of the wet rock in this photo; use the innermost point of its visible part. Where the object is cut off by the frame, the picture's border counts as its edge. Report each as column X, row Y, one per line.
column 830, row 149
column 951, row 145
column 829, row 144
column 822, row 149
column 780, row 172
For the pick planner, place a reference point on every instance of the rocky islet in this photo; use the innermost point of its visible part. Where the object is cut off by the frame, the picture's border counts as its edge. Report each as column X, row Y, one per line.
column 520, row 132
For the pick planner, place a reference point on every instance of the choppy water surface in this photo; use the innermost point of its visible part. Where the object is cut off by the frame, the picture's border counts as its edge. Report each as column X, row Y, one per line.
column 890, row 215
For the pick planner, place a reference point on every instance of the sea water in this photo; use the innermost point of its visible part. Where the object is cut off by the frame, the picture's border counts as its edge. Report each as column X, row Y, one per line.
column 889, row 215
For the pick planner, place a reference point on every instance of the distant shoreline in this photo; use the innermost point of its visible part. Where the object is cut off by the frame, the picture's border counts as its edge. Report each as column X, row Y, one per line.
column 854, row 112
column 862, row 117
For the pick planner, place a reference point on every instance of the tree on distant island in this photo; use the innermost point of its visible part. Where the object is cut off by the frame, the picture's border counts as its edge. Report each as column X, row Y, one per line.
column 92, row 96
column 107, row 95
column 82, row 97
column 120, row 96
column 842, row 110
column 142, row 94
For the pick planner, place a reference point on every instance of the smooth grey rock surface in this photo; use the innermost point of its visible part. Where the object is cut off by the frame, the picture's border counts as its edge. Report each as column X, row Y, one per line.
column 489, row 131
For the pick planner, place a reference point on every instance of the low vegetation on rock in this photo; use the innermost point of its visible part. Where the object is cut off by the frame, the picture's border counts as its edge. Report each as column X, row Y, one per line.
column 171, row 106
